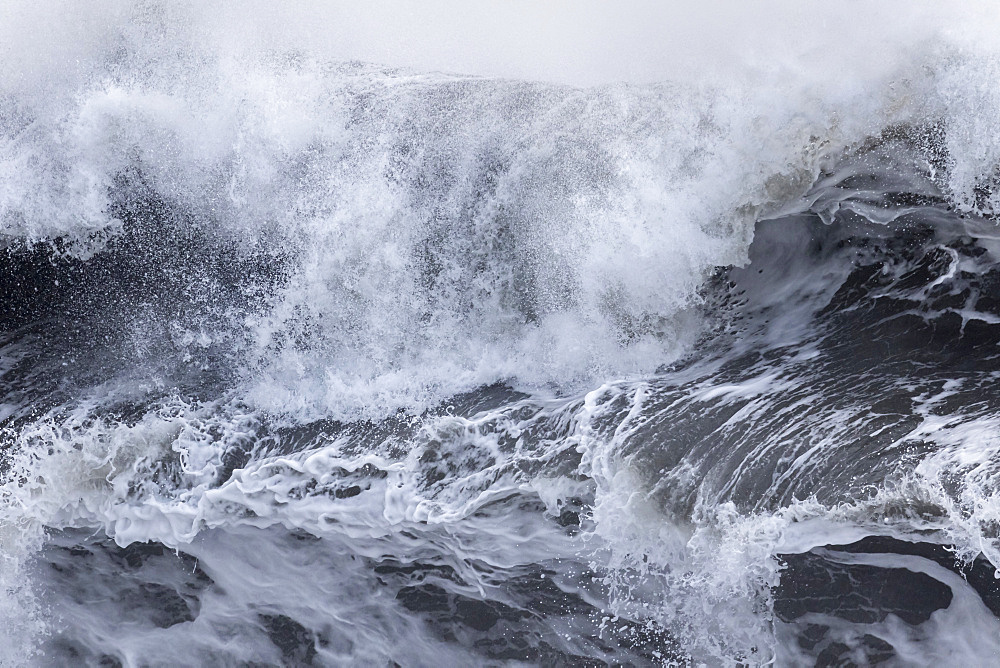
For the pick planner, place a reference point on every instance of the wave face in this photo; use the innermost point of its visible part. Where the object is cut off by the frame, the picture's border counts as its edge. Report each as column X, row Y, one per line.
column 310, row 361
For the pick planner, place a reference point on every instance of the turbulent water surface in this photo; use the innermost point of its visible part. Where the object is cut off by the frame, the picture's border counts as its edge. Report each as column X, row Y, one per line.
column 311, row 361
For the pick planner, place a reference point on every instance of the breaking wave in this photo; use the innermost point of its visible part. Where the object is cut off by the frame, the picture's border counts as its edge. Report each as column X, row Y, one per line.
column 309, row 360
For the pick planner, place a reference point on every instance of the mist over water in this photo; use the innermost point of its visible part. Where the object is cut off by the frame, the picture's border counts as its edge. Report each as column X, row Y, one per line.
column 508, row 334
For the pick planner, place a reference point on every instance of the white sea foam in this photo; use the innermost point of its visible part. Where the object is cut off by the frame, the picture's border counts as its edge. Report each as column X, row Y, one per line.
column 706, row 577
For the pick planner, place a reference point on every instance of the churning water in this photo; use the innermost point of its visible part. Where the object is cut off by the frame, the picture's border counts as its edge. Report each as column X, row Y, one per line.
column 310, row 360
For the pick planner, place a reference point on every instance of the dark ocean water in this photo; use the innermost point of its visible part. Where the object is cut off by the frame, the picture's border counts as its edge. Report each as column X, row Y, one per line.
column 312, row 362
